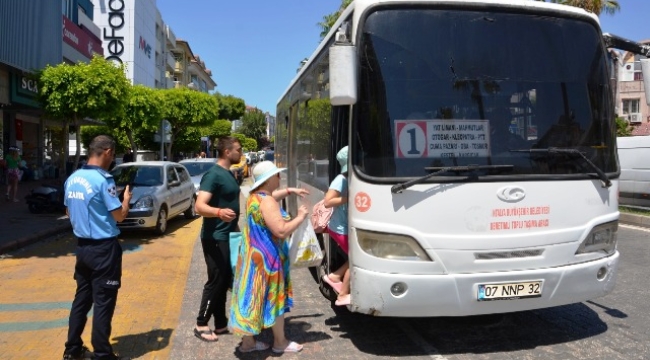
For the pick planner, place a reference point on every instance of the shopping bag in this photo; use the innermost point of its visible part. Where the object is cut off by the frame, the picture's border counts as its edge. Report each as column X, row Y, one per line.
column 320, row 217
column 304, row 249
column 235, row 243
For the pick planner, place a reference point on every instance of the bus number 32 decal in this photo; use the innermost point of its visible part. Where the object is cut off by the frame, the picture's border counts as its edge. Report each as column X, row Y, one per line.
column 362, row 202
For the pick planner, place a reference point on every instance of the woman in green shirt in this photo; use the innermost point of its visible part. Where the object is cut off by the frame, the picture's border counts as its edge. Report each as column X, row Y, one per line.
column 13, row 173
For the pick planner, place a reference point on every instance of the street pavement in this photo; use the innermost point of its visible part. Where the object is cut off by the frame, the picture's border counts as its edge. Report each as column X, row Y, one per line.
column 157, row 305
column 19, row 227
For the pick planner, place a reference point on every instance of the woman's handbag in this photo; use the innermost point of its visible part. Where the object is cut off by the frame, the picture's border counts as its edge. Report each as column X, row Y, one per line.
column 320, row 217
column 304, row 249
column 235, row 243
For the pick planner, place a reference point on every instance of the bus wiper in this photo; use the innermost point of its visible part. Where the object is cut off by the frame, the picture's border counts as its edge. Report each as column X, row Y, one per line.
column 554, row 150
column 398, row 188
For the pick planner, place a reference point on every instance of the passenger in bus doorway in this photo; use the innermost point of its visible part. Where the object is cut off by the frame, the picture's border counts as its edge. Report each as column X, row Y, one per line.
column 337, row 198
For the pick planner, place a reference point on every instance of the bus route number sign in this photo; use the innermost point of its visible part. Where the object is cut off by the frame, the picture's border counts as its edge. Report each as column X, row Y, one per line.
column 442, row 138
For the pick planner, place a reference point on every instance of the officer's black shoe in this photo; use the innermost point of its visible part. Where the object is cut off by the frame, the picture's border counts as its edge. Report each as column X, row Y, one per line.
column 84, row 354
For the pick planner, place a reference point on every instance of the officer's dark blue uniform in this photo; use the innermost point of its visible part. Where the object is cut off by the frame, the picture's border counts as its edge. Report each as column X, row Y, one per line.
column 91, row 196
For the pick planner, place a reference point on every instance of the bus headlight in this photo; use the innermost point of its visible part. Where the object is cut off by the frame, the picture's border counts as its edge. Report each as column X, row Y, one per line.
column 391, row 246
column 601, row 238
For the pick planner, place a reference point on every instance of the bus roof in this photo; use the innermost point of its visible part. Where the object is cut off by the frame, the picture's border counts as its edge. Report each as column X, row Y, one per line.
column 362, row 4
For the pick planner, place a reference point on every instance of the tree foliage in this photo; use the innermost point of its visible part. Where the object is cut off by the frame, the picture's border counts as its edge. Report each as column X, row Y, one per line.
column 70, row 93
column 143, row 110
column 247, row 143
column 254, row 125
column 89, row 132
column 330, row 19
column 230, row 107
column 185, row 108
column 623, row 128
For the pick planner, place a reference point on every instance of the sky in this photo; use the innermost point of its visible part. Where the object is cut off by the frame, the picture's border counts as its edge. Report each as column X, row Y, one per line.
column 254, row 47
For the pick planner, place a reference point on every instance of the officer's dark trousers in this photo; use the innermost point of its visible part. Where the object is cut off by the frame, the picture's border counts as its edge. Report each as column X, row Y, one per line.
column 98, row 273
column 213, row 301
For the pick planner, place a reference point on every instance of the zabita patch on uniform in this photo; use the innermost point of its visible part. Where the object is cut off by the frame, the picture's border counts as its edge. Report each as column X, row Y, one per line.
column 112, row 190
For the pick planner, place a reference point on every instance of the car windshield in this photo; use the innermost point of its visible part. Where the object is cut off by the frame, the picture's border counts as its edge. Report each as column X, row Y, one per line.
column 450, row 87
column 138, row 175
column 198, row 168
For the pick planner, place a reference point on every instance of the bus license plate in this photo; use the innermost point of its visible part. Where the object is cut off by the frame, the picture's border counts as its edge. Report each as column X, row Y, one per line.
column 511, row 291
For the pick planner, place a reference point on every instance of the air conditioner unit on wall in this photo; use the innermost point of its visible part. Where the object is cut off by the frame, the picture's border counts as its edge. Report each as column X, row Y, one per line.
column 635, row 118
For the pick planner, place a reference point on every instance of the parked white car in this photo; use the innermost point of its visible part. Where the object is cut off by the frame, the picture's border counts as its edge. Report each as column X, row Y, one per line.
column 197, row 168
column 634, row 183
column 161, row 190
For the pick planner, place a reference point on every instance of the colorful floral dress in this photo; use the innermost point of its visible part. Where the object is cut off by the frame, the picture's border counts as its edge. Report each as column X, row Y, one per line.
column 262, row 288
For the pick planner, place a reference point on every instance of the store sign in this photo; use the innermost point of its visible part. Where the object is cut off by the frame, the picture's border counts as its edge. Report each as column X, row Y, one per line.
column 74, row 36
column 115, row 45
column 23, row 90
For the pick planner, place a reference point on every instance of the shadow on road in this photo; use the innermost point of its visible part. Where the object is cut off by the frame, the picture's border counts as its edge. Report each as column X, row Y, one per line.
column 138, row 345
column 64, row 244
column 462, row 335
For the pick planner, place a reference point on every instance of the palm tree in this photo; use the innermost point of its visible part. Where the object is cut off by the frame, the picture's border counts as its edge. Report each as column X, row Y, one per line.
column 330, row 19
column 597, row 7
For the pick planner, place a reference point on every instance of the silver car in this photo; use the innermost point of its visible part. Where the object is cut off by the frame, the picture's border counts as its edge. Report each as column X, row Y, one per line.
column 197, row 168
column 161, row 190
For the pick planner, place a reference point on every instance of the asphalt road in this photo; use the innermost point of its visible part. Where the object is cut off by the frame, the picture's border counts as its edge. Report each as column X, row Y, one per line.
column 164, row 277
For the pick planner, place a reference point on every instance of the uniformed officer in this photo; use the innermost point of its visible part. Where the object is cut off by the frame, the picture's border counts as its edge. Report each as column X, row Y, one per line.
column 94, row 209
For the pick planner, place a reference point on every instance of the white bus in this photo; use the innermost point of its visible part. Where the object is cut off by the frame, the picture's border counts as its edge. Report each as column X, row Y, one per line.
column 482, row 153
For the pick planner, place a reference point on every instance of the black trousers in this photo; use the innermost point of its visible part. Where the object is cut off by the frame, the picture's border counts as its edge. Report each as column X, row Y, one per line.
column 213, row 300
column 98, row 273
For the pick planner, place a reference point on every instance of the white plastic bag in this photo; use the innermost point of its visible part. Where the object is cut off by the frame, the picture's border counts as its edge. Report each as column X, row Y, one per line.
column 304, row 249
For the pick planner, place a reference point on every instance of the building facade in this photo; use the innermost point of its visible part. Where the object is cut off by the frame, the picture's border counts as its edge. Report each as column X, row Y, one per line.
column 34, row 34
column 630, row 94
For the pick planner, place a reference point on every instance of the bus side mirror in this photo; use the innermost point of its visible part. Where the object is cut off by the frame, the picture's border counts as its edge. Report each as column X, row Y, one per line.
column 645, row 69
column 343, row 74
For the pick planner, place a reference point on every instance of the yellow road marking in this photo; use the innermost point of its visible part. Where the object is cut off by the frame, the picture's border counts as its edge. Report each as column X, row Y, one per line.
column 36, row 286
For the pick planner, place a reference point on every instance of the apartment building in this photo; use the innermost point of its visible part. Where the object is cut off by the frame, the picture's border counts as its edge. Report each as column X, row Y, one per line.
column 189, row 70
column 630, row 94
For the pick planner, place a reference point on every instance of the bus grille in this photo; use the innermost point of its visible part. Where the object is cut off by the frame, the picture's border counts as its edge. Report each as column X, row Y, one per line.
column 508, row 254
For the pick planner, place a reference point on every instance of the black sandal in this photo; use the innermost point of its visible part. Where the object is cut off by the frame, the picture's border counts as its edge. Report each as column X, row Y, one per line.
column 221, row 332
column 198, row 334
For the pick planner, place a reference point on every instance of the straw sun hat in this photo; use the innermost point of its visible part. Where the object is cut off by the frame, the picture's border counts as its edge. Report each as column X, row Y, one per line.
column 263, row 171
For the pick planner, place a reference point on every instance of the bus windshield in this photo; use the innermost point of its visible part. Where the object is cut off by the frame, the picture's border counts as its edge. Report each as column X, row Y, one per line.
column 452, row 87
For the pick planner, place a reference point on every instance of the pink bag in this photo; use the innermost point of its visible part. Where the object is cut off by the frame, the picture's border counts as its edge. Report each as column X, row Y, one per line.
column 320, row 216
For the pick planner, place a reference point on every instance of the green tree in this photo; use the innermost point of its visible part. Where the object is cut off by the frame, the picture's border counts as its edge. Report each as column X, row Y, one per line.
column 230, row 107
column 254, row 125
column 247, row 143
column 90, row 131
column 185, row 108
column 623, row 128
column 597, row 7
column 70, row 93
column 143, row 110
column 330, row 19
column 219, row 128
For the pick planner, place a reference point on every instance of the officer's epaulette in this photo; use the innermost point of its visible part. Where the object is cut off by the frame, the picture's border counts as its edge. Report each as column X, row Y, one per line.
column 106, row 174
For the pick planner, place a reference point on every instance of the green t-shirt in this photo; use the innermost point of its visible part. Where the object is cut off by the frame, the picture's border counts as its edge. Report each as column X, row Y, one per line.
column 225, row 191
column 13, row 163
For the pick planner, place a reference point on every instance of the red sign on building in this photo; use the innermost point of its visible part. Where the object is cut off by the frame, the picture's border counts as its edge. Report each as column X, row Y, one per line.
column 76, row 37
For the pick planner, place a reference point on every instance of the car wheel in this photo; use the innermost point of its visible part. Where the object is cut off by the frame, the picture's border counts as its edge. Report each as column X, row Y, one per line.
column 190, row 213
column 161, row 223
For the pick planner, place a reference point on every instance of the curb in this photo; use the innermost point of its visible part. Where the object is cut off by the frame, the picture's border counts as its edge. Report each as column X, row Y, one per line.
column 33, row 238
column 636, row 220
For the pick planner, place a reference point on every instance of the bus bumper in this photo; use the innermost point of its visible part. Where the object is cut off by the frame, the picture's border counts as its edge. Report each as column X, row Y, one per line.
column 457, row 294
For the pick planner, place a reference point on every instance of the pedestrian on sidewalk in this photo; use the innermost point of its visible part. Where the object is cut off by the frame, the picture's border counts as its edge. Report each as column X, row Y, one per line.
column 218, row 203
column 13, row 174
column 262, row 291
column 94, row 209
